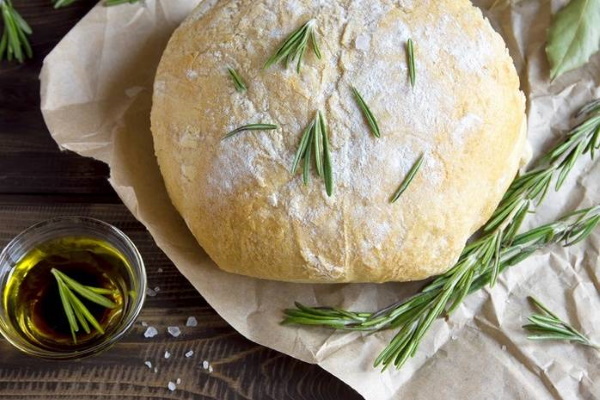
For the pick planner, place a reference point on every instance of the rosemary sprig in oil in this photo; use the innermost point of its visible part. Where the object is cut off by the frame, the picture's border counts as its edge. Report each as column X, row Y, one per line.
column 238, row 81
column 294, row 47
column 250, row 127
column 498, row 248
column 14, row 43
column 315, row 141
column 408, row 179
column 77, row 313
column 362, row 104
column 548, row 326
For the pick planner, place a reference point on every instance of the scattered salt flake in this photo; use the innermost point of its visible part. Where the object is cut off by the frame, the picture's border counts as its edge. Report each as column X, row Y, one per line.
column 148, row 364
column 172, row 386
column 179, row 381
column 150, row 332
column 210, row 369
column 205, row 364
column 160, row 270
column 157, row 289
column 191, row 321
column 155, row 369
column 167, row 354
column 144, row 324
column 189, row 354
column 174, row 331
column 150, row 292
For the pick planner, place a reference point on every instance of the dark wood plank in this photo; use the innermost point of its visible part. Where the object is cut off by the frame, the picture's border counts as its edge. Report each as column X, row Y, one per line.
column 241, row 369
column 30, row 161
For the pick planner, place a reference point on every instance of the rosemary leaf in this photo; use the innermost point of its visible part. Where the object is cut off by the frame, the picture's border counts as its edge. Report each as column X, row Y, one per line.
column 366, row 112
column 294, row 47
column 327, row 168
column 318, row 143
column 408, row 179
column 238, row 81
column 412, row 70
column 251, row 127
column 306, row 170
column 304, row 142
column 548, row 326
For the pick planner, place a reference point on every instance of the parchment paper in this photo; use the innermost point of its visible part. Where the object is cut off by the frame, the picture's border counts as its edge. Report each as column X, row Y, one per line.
column 96, row 91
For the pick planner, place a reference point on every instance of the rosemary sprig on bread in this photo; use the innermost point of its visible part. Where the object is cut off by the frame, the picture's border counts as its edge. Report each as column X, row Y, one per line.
column 315, row 142
column 294, row 47
column 250, row 127
column 481, row 262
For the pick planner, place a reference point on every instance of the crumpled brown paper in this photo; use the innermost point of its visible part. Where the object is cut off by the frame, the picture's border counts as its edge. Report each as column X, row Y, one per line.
column 96, row 96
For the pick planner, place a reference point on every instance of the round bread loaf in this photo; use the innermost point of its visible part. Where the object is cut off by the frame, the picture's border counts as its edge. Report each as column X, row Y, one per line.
column 253, row 216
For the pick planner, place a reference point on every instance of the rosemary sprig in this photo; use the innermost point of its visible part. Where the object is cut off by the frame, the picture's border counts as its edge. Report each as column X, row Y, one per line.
column 238, row 81
column 498, row 248
column 14, row 43
column 548, row 326
column 251, row 127
column 408, row 179
column 366, row 112
column 315, row 140
column 412, row 70
column 294, row 47
column 413, row 317
column 76, row 312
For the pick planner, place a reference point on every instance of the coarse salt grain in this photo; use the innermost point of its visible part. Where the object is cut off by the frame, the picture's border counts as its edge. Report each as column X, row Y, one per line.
column 167, row 354
column 150, row 332
column 150, row 292
column 157, row 289
column 144, row 324
column 174, row 331
column 179, row 381
column 172, row 386
column 205, row 364
column 191, row 321
column 148, row 364
column 189, row 354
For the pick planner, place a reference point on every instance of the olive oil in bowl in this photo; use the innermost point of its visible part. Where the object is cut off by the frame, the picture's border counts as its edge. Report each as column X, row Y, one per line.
column 91, row 266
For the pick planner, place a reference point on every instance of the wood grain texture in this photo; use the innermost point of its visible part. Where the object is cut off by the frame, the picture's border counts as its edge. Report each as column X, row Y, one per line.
column 37, row 182
column 241, row 369
column 31, row 162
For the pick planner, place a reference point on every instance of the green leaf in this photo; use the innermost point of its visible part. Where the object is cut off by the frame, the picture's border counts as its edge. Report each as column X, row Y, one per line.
column 573, row 36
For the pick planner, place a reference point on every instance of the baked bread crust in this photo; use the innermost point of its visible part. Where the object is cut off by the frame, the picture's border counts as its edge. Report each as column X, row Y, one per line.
column 253, row 217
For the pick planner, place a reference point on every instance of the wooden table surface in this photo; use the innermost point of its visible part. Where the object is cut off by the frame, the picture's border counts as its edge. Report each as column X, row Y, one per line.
column 38, row 182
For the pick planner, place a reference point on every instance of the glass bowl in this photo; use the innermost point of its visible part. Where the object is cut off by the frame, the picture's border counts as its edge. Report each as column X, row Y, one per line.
column 76, row 232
